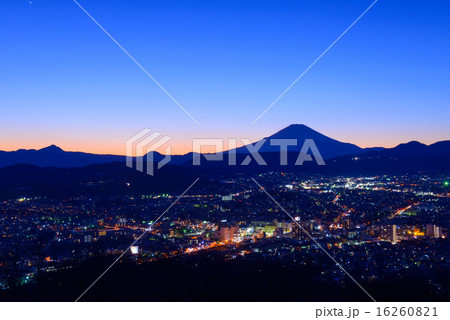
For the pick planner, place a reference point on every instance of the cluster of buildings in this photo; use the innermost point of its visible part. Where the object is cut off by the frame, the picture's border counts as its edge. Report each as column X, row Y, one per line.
column 42, row 235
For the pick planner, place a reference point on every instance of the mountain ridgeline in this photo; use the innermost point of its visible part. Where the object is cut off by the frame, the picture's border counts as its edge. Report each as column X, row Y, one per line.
column 54, row 156
column 55, row 170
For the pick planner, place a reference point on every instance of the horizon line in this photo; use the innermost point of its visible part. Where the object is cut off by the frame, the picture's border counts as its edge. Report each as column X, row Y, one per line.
column 181, row 154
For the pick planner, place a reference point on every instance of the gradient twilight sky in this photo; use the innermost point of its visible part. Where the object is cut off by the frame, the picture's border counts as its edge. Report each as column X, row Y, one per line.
column 64, row 82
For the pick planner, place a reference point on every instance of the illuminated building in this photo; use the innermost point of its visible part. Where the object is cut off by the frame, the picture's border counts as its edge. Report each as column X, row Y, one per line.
column 433, row 231
column 269, row 230
column 285, row 225
column 226, row 232
column 122, row 222
column 393, row 233
column 297, row 232
column 134, row 249
column 278, row 232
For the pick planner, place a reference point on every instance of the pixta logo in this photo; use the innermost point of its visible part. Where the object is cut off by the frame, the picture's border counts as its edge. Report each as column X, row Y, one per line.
column 142, row 146
column 253, row 151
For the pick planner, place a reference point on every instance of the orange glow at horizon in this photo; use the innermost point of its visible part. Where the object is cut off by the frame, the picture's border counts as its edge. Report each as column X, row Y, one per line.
column 109, row 147
column 179, row 145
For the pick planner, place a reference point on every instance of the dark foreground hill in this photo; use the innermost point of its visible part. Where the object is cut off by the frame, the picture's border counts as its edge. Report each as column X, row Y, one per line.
column 210, row 277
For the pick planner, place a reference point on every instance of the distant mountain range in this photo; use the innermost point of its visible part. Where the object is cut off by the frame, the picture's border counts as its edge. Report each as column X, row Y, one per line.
column 329, row 148
column 54, row 156
column 53, row 171
column 412, row 149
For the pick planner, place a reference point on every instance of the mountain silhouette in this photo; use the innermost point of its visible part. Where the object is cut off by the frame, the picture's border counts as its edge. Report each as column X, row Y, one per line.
column 53, row 156
column 328, row 147
column 53, row 171
column 410, row 150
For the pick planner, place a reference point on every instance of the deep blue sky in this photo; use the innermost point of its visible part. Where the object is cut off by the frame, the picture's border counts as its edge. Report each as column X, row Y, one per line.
column 64, row 82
